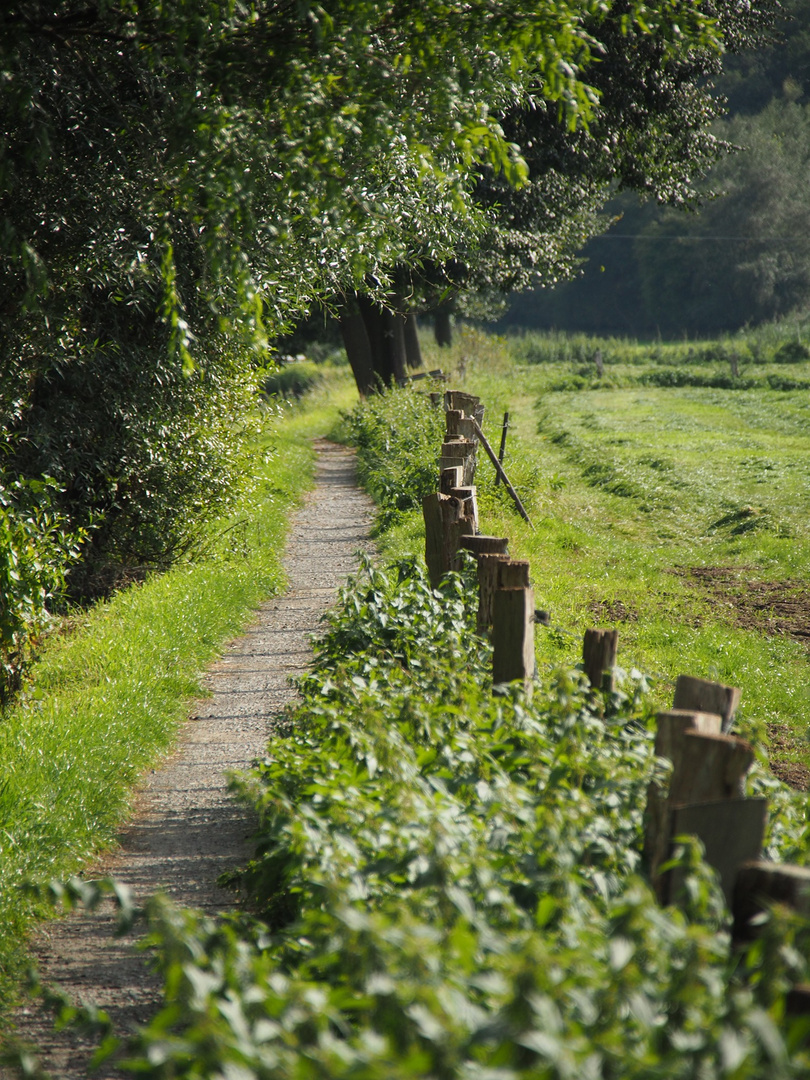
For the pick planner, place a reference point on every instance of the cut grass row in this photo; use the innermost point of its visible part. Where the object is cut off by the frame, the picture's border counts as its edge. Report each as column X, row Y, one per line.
column 628, row 489
column 110, row 692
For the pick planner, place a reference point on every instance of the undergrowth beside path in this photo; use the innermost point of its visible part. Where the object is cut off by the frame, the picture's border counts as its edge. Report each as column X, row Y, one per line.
column 449, row 883
column 645, row 502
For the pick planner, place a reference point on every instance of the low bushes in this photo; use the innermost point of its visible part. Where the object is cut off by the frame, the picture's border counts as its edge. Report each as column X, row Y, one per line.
column 397, row 435
column 450, row 884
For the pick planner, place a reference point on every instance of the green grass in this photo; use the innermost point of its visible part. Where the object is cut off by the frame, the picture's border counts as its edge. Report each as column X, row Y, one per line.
column 109, row 692
column 629, row 485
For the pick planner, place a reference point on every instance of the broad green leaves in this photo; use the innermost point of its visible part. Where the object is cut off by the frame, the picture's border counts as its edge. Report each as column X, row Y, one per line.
column 450, row 885
column 36, row 548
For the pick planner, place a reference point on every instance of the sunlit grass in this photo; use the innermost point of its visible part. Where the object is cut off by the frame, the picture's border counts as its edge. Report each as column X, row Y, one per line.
column 629, row 485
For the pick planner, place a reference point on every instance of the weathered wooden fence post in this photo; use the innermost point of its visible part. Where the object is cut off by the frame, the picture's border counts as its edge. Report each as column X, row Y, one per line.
column 487, row 584
column 458, row 452
column 706, row 786
column 434, row 535
column 513, row 624
column 467, row 403
column 706, row 696
column 762, row 884
column 599, row 649
column 461, row 425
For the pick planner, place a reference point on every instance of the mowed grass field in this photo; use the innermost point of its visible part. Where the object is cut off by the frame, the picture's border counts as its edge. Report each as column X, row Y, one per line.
column 677, row 513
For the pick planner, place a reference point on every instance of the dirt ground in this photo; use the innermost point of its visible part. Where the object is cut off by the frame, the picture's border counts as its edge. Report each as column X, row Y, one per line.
column 187, row 830
column 769, row 607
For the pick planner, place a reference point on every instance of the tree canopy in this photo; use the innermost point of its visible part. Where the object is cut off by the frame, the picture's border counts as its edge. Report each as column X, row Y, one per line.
column 179, row 179
column 249, row 157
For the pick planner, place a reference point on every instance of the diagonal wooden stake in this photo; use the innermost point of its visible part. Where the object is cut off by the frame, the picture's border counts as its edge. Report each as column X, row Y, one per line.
column 493, row 457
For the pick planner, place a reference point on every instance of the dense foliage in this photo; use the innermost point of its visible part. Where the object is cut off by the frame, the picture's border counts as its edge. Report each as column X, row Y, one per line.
column 449, row 883
column 35, row 553
column 396, row 435
column 180, row 179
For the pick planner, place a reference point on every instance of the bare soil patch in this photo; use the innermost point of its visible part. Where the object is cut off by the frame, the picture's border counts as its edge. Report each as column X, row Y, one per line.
column 768, row 607
column 613, row 611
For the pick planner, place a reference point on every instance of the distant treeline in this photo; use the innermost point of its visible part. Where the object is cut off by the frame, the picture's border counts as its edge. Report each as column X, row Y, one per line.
column 745, row 256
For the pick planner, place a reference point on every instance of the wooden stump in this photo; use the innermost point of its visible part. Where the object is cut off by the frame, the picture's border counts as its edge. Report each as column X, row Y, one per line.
column 457, row 452
column 452, row 461
column 673, row 726
column 706, row 696
column 469, row 497
column 513, row 574
column 451, row 478
column 434, row 536
column 458, row 400
column 458, row 423
column 709, row 767
column 455, row 524
column 599, row 657
column 487, row 584
column 761, row 884
column 485, row 545
column 707, row 770
column 731, row 832
column 513, row 636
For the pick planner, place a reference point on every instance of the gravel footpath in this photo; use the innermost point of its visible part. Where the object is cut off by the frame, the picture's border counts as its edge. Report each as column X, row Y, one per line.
column 186, row 830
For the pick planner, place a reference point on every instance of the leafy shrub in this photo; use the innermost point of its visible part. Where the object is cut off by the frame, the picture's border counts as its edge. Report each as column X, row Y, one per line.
column 451, row 885
column 35, row 552
column 146, row 452
column 683, row 377
column 398, row 435
column 291, row 380
column 779, row 382
column 792, row 352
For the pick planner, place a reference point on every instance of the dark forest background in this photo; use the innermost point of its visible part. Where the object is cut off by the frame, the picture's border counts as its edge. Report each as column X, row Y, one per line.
column 744, row 256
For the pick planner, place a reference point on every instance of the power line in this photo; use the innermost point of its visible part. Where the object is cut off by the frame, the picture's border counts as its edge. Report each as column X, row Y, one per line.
column 711, row 239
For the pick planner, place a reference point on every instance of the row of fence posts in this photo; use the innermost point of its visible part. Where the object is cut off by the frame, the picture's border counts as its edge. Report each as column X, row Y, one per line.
column 706, row 792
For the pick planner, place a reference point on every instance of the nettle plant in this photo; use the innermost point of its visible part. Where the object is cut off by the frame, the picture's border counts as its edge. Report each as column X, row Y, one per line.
column 398, row 434
column 448, row 882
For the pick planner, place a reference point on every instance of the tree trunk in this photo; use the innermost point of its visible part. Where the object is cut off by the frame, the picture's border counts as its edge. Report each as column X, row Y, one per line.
column 358, row 349
column 375, row 340
column 394, row 343
column 442, row 327
column 413, row 351
column 382, row 336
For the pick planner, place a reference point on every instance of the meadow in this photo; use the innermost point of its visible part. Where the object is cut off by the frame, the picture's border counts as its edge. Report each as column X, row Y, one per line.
column 667, row 499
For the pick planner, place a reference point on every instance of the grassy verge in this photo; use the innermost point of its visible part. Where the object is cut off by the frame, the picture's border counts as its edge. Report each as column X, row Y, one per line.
column 109, row 692
column 677, row 513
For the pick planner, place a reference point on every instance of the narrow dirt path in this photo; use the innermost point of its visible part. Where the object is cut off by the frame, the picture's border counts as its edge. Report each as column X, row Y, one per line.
column 187, row 830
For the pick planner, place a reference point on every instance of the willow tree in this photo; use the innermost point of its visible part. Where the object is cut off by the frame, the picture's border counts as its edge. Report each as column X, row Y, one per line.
column 182, row 178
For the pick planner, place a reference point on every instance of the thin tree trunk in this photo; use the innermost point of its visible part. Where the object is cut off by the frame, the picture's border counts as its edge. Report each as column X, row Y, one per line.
column 394, row 342
column 358, row 349
column 442, row 327
column 381, row 352
column 413, row 351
